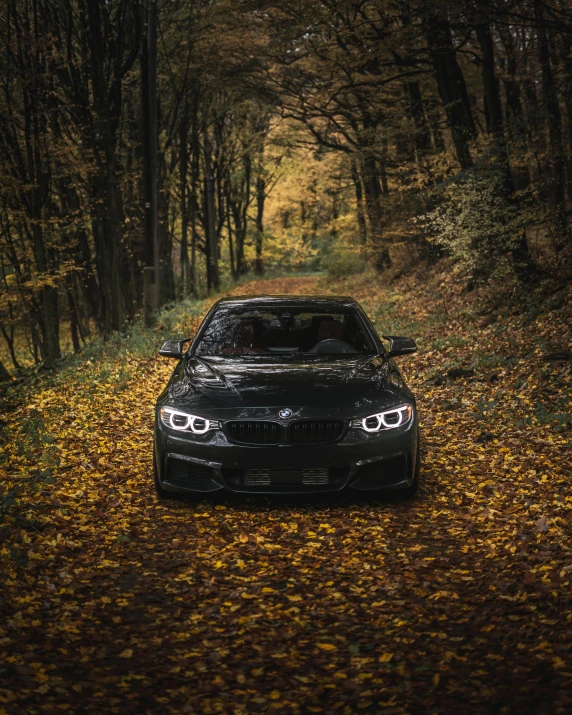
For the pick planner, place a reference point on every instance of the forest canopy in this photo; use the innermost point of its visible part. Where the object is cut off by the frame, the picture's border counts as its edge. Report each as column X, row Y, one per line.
column 154, row 150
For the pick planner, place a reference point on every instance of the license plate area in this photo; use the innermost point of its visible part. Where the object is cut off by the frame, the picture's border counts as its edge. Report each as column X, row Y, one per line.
column 284, row 477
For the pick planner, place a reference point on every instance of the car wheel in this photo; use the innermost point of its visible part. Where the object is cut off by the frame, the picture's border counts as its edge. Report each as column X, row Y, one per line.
column 411, row 491
column 161, row 493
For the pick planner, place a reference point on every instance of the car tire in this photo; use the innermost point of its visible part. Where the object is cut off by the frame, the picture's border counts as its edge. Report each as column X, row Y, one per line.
column 411, row 491
column 161, row 493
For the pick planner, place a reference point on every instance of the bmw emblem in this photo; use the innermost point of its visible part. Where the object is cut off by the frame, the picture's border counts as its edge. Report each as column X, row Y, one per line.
column 285, row 413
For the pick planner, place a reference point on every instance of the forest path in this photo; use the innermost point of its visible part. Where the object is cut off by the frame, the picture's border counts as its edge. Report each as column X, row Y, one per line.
column 294, row 285
column 457, row 601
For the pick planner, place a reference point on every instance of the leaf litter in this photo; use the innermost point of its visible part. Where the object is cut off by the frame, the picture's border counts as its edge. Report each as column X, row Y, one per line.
column 459, row 600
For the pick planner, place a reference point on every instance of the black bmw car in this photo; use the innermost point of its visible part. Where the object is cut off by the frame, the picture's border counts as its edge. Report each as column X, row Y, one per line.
column 283, row 394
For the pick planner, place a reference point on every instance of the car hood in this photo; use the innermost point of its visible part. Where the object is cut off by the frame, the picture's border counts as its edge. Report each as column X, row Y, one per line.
column 239, row 388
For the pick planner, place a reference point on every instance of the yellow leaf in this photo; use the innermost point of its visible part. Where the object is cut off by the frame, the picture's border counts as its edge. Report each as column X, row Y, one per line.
column 127, row 653
column 385, row 657
column 436, row 679
column 327, row 646
column 243, row 538
column 274, row 695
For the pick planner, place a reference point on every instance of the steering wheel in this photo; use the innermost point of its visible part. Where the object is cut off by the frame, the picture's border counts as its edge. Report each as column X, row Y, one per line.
column 332, row 345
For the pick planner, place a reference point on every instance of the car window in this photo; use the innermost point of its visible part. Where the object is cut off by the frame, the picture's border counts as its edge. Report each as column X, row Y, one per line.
column 284, row 332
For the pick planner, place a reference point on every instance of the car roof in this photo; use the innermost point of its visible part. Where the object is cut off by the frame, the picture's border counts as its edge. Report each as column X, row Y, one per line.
column 317, row 301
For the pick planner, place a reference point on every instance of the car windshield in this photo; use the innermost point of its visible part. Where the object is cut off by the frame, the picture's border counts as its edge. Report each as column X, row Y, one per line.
column 285, row 332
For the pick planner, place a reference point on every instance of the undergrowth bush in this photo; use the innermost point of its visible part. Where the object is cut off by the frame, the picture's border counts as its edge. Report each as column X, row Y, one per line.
column 474, row 223
column 344, row 261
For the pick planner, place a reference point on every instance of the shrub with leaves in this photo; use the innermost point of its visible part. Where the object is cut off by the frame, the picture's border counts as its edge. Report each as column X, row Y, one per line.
column 475, row 222
column 344, row 261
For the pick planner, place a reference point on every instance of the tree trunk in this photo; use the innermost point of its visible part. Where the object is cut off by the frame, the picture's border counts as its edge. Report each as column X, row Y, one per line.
column 35, row 342
column 260, row 199
column 554, row 120
column 145, row 154
column 89, row 281
column 567, row 61
column 362, row 227
column 9, row 338
column 4, row 374
column 515, row 112
column 452, row 88
column 494, row 106
column 437, row 141
column 405, row 139
column 115, row 223
column 422, row 133
column 372, row 195
column 50, row 326
column 239, row 203
column 231, row 247
column 517, row 128
column 229, row 231
column 193, row 205
column 382, row 172
column 45, row 253
column 210, row 218
column 183, row 168
column 334, row 214
column 74, row 322
column 167, row 279
column 523, row 263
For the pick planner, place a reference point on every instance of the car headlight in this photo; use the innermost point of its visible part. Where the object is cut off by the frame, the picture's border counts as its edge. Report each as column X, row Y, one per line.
column 183, row 422
column 390, row 419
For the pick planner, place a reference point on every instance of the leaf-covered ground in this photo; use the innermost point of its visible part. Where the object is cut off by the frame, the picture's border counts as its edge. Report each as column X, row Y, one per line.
column 458, row 601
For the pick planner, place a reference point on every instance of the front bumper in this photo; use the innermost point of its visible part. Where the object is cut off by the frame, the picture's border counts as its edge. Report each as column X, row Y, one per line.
column 383, row 461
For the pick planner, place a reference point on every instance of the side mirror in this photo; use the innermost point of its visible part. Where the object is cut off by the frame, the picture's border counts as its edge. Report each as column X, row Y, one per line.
column 173, row 348
column 400, row 346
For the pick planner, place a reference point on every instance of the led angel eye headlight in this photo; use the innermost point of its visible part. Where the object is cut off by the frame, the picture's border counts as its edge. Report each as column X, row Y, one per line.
column 183, row 422
column 390, row 419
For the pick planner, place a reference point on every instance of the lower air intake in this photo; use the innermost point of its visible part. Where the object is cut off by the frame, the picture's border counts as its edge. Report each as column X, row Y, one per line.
column 275, row 477
column 257, row 478
column 185, row 474
column 314, row 476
